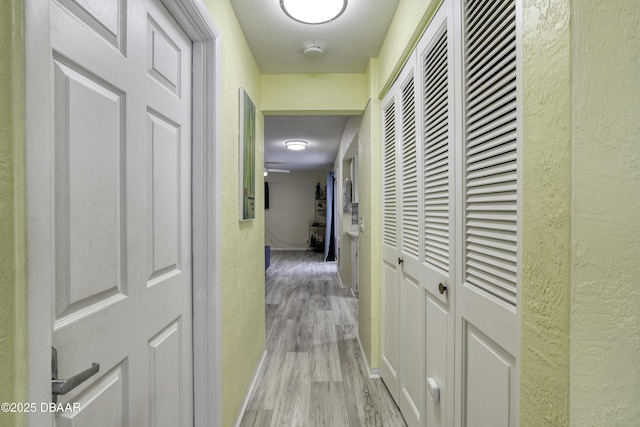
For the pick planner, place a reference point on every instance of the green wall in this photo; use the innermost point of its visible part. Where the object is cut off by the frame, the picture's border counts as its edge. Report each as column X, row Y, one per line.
column 13, row 367
column 581, row 204
column 408, row 24
column 313, row 93
column 605, row 306
column 243, row 320
column 546, row 210
column 369, row 193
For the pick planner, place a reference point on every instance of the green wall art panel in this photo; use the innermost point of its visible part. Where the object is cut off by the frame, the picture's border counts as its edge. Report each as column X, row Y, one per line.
column 247, row 156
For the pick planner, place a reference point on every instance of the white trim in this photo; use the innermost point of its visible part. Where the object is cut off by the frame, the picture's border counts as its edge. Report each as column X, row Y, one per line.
column 342, row 285
column 38, row 142
column 195, row 20
column 373, row 373
column 252, row 386
column 288, row 249
column 520, row 172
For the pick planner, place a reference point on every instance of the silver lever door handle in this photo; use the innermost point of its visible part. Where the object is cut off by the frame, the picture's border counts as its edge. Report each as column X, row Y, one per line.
column 59, row 387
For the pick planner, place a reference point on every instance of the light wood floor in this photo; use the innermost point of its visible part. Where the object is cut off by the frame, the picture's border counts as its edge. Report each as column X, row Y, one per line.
column 314, row 374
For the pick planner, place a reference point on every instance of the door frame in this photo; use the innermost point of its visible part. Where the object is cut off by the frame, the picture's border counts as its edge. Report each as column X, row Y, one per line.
column 196, row 22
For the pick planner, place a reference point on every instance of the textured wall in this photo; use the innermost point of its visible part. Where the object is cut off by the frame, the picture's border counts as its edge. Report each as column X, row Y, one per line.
column 369, row 209
column 605, row 313
column 342, row 168
column 13, row 335
column 544, row 371
column 408, row 24
column 313, row 93
column 243, row 327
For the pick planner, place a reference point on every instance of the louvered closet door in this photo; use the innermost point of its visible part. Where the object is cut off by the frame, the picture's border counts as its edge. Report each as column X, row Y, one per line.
column 411, row 401
column 437, row 267
column 390, row 309
column 487, row 299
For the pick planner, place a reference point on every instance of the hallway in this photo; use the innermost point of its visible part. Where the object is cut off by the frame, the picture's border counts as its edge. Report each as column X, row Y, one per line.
column 314, row 374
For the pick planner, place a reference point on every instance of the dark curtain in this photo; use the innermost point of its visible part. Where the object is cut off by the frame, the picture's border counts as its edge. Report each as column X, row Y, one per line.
column 329, row 246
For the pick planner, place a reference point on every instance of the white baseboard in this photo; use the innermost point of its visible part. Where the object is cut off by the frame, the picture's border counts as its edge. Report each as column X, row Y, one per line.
column 373, row 373
column 288, row 249
column 342, row 285
column 252, row 386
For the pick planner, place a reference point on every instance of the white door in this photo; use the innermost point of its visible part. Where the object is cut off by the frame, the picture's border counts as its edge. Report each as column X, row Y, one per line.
column 390, row 310
column 122, row 216
column 402, row 303
column 437, row 269
column 487, row 319
column 411, row 398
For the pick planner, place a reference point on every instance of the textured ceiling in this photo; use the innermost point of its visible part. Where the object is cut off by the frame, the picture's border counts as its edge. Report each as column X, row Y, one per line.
column 323, row 134
column 278, row 42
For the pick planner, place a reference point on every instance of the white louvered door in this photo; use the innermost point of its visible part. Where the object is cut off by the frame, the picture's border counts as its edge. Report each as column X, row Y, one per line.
column 411, row 401
column 437, row 269
column 450, row 302
column 402, row 353
column 390, row 307
column 487, row 320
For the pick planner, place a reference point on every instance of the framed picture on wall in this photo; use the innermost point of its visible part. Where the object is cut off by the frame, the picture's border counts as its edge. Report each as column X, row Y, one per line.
column 247, row 156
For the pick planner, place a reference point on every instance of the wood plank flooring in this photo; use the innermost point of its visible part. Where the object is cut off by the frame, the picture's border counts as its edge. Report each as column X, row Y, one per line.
column 314, row 374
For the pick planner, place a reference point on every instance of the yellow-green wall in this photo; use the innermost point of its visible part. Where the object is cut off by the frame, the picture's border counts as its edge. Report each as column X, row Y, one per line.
column 313, row 93
column 243, row 319
column 546, row 210
column 605, row 275
column 13, row 367
column 369, row 193
column 581, row 204
column 408, row 24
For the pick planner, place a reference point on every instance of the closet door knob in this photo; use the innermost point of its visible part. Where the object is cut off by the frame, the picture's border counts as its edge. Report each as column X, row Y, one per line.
column 442, row 288
column 400, row 260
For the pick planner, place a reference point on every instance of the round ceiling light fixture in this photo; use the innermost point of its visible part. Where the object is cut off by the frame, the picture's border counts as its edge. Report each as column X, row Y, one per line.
column 296, row 145
column 313, row 11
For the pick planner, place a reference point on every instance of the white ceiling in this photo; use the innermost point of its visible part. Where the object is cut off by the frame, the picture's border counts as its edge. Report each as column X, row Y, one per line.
column 323, row 134
column 278, row 42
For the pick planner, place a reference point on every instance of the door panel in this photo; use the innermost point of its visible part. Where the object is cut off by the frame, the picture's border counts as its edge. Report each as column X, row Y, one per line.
column 412, row 384
column 438, row 354
column 488, row 382
column 164, row 220
column 165, row 376
column 105, row 19
column 437, row 268
column 88, row 228
column 391, row 329
column 487, row 319
column 122, row 217
column 390, row 309
column 412, row 327
column 104, row 400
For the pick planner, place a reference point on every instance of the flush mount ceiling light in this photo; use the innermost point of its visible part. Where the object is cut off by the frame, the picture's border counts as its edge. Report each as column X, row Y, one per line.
column 313, row 11
column 296, row 145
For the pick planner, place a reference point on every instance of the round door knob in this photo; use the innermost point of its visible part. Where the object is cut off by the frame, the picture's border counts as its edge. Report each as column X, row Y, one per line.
column 442, row 288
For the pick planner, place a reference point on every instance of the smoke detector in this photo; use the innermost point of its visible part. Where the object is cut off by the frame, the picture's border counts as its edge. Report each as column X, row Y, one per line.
column 313, row 51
